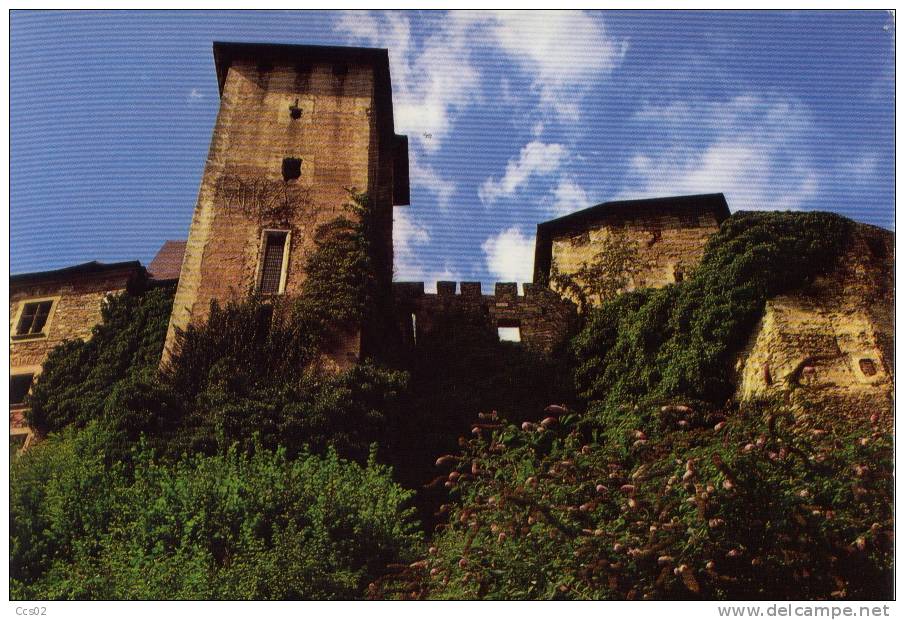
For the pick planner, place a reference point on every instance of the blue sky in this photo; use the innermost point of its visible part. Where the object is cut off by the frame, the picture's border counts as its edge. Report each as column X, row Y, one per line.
column 512, row 119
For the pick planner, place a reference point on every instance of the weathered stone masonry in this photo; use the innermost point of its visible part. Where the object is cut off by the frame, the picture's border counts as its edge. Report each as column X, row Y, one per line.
column 543, row 317
column 669, row 234
column 298, row 126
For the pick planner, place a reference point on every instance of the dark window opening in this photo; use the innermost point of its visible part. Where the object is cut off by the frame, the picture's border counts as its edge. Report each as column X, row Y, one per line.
column 33, row 318
column 679, row 275
column 295, row 112
column 272, row 262
column 867, row 367
column 340, row 70
column 292, row 168
column 19, row 385
column 509, row 330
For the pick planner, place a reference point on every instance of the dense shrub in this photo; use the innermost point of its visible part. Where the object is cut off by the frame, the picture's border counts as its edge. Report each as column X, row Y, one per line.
column 694, row 503
column 640, row 498
column 79, row 376
column 230, row 526
column 679, row 340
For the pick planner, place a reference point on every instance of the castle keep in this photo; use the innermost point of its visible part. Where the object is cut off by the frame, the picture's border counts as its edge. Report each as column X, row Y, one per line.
column 300, row 126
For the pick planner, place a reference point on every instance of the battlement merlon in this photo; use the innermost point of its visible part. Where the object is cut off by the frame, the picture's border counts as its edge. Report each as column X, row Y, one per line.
column 466, row 290
column 298, row 56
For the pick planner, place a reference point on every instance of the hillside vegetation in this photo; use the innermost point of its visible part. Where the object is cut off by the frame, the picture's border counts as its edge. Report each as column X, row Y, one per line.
column 645, row 480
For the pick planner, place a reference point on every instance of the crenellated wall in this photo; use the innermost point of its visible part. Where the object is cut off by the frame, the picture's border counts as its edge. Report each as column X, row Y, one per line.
column 544, row 318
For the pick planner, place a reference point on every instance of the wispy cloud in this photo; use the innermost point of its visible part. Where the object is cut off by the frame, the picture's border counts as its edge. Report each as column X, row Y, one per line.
column 565, row 53
column 195, row 94
column 432, row 80
column 509, row 256
column 409, row 240
column 568, row 196
column 536, row 158
column 860, row 170
column 751, row 148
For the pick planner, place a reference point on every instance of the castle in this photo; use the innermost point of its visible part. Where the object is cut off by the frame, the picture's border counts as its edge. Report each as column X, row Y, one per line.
column 298, row 125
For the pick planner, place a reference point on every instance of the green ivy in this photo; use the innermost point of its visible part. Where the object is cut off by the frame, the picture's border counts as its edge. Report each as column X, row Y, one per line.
column 78, row 376
column 680, row 340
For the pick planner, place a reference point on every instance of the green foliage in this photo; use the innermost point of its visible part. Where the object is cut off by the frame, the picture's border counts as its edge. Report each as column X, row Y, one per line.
column 230, row 526
column 78, row 377
column 341, row 276
column 679, row 340
column 253, row 368
column 694, row 503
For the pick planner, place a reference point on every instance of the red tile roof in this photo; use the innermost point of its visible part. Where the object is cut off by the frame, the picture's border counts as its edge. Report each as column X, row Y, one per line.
column 168, row 262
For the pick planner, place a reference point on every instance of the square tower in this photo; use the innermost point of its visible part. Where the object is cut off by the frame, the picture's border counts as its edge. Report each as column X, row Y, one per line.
column 298, row 126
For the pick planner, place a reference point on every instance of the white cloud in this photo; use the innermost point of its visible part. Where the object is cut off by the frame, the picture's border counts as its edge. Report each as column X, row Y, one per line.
column 430, row 84
column 424, row 175
column 750, row 148
column 510, row 256
column 564, row 52
column 568, row 196
column 195, row 94
column 535, row 158
column 409, row 240
column 861, row 169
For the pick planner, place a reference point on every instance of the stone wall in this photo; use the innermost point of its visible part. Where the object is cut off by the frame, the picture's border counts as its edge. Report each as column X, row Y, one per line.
column 668, row 246
column 76, row 310
column 832, row 342
column 544, row 319
column 323, row 113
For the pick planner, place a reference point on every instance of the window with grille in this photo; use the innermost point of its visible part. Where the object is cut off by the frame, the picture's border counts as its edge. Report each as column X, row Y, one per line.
column 18, row 388
column 33, row 318
column 273, row 262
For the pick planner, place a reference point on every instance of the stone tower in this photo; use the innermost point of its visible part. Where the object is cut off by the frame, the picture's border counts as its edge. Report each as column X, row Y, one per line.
column 297, row 126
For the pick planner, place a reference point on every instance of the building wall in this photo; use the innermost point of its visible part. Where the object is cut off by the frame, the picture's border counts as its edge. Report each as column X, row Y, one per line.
column 243, row 191
column 543, row 317
column 831, row 342
column 77, row 309
column 667, row 245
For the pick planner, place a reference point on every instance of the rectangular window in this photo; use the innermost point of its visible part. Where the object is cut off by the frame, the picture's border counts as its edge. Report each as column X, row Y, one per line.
column 33, row 318
column 19, row 385
column 509, row 331
column 274, row 260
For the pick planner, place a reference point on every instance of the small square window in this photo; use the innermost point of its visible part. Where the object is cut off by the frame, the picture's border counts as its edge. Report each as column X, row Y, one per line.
column 868, row 367
column 274, row 260
column 292, row 168
column 509, row 331
column 19, row 385
column 33, row 318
